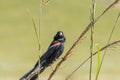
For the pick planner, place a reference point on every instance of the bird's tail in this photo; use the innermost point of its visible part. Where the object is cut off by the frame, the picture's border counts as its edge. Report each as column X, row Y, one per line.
column 29, row 74
column 33, row 74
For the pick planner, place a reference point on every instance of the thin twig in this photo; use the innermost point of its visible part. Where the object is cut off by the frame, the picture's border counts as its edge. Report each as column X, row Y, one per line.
column 78, row 40
column 103, row 48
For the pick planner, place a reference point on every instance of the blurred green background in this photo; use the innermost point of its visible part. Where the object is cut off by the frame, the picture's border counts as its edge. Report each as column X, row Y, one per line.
column 19, row 46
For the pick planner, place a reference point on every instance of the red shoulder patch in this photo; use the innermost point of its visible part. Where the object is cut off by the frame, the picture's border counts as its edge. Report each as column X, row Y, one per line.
column 57, row 43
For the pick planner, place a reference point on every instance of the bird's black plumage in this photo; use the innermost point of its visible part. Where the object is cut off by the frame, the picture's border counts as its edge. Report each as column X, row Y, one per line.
column 54, row 51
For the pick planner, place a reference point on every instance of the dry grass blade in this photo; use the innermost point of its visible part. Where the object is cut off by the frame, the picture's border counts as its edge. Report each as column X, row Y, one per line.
column 79, row 39
column 35, row 29
column 103, row 48
column 109, row 7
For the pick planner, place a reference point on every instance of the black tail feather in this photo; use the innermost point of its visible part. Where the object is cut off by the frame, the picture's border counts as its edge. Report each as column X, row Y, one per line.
column 28, row 74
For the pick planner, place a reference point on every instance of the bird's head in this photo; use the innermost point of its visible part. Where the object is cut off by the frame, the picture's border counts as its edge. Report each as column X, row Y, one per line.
column 60, row 36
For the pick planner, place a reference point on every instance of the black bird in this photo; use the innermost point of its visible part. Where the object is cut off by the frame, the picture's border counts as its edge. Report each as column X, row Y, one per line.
column 54, row 51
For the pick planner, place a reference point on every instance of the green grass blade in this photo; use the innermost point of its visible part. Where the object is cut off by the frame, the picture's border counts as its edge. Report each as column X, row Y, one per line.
column 34, row 25
column 98, row 61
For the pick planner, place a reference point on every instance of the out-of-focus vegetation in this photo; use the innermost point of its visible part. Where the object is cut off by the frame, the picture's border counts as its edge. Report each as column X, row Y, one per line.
column 18, row 44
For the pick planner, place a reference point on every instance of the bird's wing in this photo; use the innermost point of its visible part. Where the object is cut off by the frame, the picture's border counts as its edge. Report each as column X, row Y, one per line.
column 50, row 50
column 60, row 51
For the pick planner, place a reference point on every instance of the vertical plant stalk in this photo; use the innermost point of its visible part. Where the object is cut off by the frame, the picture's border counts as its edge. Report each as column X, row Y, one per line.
column 92, row 15
column 79, row 39
column 91, row 52
column 115, row 25
column 42, row 4
column 83, row 33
